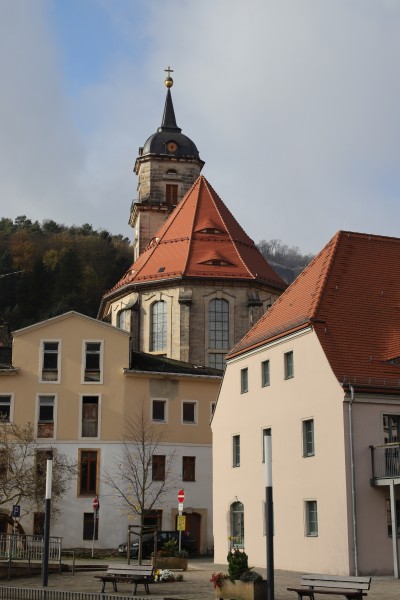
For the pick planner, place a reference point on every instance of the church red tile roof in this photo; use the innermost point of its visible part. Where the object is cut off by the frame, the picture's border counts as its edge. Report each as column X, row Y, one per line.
column 200, row 239
column 350, row 295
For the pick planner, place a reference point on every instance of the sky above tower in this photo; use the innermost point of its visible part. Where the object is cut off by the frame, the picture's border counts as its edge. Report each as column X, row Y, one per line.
column 293, row 105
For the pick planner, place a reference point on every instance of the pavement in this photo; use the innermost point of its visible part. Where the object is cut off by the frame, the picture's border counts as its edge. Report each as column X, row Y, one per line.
column 196, row 583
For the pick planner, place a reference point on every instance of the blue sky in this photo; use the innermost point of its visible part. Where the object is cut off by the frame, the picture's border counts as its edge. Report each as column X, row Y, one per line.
column 293, row 105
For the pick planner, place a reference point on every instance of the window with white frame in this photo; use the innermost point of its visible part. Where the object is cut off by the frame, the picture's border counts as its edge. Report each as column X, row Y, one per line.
column 90, row 416
column 45, row 424
column 158, row 326
column 5, row 407
column 189, row 410
column 159, row 410
column 311, row 511
column 237, row 524
column 244, row 380
column 288, row 363
column 236, row 450
column 308, row 437
column 50, row 361
column 93, row 362
column 265, row 379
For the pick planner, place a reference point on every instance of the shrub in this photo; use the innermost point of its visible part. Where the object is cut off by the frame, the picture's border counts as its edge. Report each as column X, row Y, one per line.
column 251, row 576
column 237, row 563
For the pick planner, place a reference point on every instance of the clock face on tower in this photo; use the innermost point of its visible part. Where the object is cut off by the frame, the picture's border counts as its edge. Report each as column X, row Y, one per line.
column 172, row 147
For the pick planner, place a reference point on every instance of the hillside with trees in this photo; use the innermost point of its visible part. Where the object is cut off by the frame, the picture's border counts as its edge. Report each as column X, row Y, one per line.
column 47, row 269
column 287, row 261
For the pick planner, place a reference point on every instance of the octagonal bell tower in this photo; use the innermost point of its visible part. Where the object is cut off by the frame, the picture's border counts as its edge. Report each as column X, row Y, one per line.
column 167, row 166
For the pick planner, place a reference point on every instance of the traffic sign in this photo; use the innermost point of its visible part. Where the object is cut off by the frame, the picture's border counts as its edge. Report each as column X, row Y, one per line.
column 96, row 504
column 16, row 511
column 180, row 507
column 181, row 496
column 181, row 525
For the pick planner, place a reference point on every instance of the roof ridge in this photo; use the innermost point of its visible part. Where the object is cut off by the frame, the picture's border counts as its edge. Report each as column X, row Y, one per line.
column 198, row 181
column 227, row 229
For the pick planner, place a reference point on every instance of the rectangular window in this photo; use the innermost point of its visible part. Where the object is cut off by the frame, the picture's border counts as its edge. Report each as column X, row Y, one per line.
column 389, row 517
column 50, row 361
column 244, row 381
column 265, row 373
column 88, row 467
column 212, row 408
column 90, row 522
column 189, row 412
column 236, row 451
column 216, row 360
column 92, row 362
column 5, row 408
column 289, row 373
column 311, row 518
column 159, row 410
column 90, row 416
column 308, row 437
column 158, row 467
column 171, row 194
column 188, row 468
column 45, row 426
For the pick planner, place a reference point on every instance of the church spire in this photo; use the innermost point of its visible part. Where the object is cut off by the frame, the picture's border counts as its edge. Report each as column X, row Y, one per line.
column 169, row 120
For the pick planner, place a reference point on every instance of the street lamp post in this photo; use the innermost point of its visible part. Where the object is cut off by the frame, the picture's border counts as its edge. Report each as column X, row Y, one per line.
column 46, row 539
column 269, row 515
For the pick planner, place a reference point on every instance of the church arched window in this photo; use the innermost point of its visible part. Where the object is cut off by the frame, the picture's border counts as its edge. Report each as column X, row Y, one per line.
column 158, row 326
column 218, row 333
column 237, row 524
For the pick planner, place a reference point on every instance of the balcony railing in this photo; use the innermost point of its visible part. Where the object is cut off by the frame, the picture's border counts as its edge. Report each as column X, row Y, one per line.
column 385, row 461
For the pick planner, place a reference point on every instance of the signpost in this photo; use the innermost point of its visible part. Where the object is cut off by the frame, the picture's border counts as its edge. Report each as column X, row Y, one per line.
column 96, row 506
column 181, row 499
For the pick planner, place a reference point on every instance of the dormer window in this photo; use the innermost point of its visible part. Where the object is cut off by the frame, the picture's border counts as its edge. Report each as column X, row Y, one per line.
column 217, row 262
column 211, row 230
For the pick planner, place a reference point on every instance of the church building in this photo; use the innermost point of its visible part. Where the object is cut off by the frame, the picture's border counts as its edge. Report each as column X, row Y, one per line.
column 198, row 283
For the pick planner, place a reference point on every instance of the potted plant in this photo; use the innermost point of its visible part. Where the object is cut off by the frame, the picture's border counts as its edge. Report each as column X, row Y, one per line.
column 170, row 557
column 242, row 583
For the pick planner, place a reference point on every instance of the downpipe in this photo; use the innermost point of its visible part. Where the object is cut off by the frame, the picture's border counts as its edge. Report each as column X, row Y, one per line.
column 353, row 481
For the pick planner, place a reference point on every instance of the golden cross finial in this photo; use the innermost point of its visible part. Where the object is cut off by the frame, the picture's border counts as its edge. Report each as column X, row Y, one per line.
column 169, row 82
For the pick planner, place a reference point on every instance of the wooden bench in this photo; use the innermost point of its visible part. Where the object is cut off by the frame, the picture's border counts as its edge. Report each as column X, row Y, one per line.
column 128, row 574
column 350, row 587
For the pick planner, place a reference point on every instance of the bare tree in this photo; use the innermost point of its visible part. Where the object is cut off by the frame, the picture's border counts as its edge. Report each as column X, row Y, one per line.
column 142, row 475
column 23, row 470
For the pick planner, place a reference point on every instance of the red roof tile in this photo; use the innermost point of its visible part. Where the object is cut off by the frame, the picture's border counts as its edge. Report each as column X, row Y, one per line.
column 350, row 295
column 201, row 239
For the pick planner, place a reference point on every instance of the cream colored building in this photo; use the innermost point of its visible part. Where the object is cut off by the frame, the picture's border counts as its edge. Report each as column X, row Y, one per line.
column 77, row 380
column 320, row 372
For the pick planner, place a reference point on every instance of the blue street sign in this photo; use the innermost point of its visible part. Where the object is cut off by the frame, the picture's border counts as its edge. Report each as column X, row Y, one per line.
column 16, row 510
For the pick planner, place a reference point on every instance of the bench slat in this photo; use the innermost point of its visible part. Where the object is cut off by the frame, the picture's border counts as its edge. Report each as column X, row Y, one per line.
column 346, row 578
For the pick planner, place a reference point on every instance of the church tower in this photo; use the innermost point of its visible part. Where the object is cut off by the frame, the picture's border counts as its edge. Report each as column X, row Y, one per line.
column 167, row 166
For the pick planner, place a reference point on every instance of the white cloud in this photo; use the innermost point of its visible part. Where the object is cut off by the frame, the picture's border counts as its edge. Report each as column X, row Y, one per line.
column 292, row 104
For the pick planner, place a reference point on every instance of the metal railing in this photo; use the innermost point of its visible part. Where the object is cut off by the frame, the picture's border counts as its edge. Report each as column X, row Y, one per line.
column 28, row 547
column 385, row 459
column 15, row 593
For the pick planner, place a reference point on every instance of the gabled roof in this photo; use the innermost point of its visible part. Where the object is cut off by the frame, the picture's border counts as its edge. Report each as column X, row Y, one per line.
column 69, row 315
column 201, row 239
column 350, row 295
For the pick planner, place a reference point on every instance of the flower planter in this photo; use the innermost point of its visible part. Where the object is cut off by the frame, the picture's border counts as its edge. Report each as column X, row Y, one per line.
column 243, row 590
column 170, row 562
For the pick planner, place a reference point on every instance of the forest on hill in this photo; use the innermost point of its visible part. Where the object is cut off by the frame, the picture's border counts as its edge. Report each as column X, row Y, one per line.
column 47, row 269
